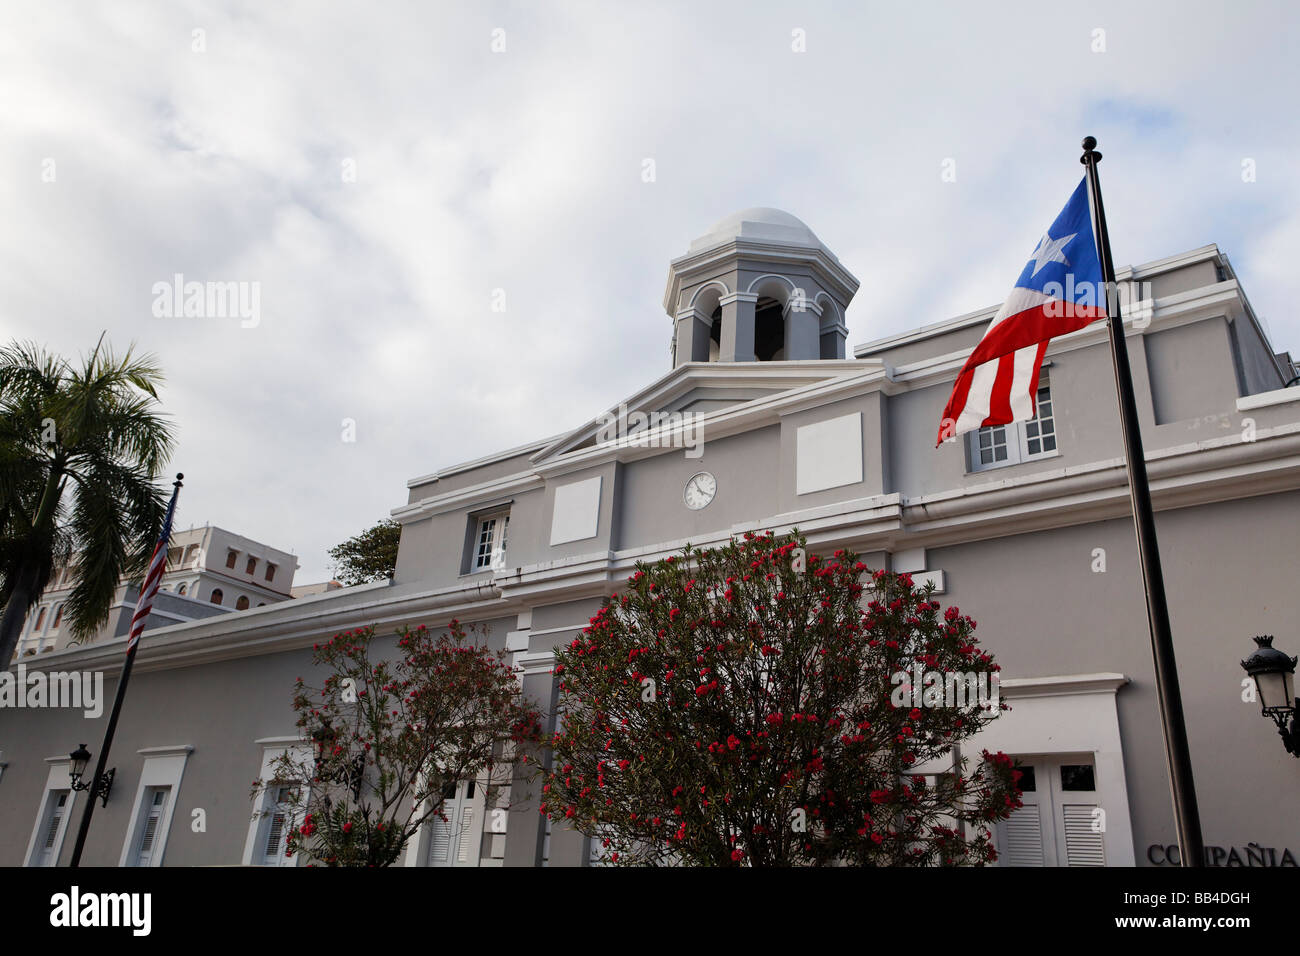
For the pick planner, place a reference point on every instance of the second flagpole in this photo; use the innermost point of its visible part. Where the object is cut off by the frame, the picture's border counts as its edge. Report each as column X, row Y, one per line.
column 1187, row 816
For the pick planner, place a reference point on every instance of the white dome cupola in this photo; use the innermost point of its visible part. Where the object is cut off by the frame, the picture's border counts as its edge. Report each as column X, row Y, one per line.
column 758, row 286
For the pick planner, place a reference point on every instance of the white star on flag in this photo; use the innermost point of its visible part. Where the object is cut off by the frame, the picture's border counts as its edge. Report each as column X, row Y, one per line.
column 1049, row 250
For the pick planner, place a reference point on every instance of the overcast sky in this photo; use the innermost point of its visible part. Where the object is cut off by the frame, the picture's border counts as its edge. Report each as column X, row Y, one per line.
column 379, row 169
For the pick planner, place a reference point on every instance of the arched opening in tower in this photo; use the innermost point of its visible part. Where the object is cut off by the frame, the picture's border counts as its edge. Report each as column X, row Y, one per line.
column 769, row 330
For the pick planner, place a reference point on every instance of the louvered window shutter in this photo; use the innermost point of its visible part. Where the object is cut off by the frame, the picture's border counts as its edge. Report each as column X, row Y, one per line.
column 1083, row 845
column 440, row 842
column 466, row 826
column 1024, row 838
column 52, row 830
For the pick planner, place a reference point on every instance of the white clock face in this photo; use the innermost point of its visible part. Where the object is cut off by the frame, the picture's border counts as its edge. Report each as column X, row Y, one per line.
column 700, row 490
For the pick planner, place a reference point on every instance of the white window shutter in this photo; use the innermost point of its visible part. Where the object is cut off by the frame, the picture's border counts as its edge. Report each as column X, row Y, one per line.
column 1083, row 845
column 1024, row 838
column 274, row 834
column 52, row 831
column 440, row 843
column 466, row 825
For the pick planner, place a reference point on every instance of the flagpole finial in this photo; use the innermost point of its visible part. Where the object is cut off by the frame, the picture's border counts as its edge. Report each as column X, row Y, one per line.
column 179, row 478
column 1090, row 150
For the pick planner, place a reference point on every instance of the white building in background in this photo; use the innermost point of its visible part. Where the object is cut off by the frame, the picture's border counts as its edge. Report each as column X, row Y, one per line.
column 320, row 587
column 764, row 422
column 209, row 571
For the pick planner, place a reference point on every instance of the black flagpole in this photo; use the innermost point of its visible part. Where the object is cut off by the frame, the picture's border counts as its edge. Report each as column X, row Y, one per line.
column 93, row 793
column 1187, row 817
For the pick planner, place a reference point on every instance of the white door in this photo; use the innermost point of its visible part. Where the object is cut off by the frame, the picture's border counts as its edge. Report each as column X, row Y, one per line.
column 1061, row 822
column 455, row 841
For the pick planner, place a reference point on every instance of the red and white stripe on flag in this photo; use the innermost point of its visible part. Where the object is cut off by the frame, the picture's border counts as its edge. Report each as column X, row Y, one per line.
column 157, row 564
column 999, row 382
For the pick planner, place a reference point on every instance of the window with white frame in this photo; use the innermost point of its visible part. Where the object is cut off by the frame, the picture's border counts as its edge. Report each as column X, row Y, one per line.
column 490, row 541
column 51, row 828
column 997, row 446
column 274, row 843
column 456, row 833
column 145, row 840
column 276, row 806
column 155, row 805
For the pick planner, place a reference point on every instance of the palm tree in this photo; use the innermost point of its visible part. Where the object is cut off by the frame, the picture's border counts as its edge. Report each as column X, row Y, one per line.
column 79, row 452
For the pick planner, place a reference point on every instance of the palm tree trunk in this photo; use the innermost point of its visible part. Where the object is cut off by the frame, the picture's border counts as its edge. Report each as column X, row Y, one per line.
column 15, row 613
column 21, row 598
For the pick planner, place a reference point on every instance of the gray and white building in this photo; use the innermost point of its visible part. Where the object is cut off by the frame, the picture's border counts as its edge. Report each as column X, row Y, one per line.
column 209, row 571
column 765, row 421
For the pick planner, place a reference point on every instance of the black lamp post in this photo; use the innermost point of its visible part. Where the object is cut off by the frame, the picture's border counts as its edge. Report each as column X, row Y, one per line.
column 100, row 786
column 1274, row 676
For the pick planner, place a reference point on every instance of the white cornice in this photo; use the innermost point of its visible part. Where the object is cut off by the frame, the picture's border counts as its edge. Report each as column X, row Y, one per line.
column 981, row 316
column 819, row 258
column 1219, row 469
column 822, row 382
column 472, row 496
column 482, row 462
column 1062, row 686
column 1178, row 309
column 1278, row 396
column 176, row 750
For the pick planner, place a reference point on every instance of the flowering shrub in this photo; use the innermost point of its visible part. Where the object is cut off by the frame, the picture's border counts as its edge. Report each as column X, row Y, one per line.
column 389, row 738
column 733, row 707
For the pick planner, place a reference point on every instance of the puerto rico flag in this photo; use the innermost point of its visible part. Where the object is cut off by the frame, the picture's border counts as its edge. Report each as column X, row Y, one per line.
column 1059, row 290
column 157, row 565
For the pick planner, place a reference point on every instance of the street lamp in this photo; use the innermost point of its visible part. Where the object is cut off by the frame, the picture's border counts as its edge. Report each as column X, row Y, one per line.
column 1274, row 676
column 98, row 787
column 351, row 772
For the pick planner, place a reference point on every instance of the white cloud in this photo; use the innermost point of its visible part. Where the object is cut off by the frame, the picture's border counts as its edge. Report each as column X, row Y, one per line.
column 521, row 171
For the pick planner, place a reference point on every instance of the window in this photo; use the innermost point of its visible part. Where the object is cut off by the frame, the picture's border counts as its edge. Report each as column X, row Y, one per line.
column 216, row 596
column 231, row 558
column 276, row 833
column 54, row 822
column 191, row 554
column 145, row 840
column 251, row 566
column 1059, row 823
column 999, row 445
column 490, row 542
column 155, row 803
column 53, row 812
column 181, row 588
column 242, row 603
column 276, row 805
column 40, row 620
column 456, row 840
column 270, row 571
column 58, row 616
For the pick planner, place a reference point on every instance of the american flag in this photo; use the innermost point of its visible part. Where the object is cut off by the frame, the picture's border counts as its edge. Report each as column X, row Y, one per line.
column 157, row 565
column 1059, row 290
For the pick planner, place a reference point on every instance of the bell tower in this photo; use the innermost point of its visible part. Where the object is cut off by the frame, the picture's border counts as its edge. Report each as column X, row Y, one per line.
column 759, row 286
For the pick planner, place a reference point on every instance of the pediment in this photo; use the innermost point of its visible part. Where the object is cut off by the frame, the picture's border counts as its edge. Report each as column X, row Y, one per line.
column 697, row 388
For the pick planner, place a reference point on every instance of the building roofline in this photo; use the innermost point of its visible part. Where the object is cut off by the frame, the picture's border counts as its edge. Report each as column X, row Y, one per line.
column 980, row 316
column 492, row 459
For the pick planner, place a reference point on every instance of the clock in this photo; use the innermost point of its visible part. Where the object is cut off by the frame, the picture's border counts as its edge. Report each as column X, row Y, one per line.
column 699, row 491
